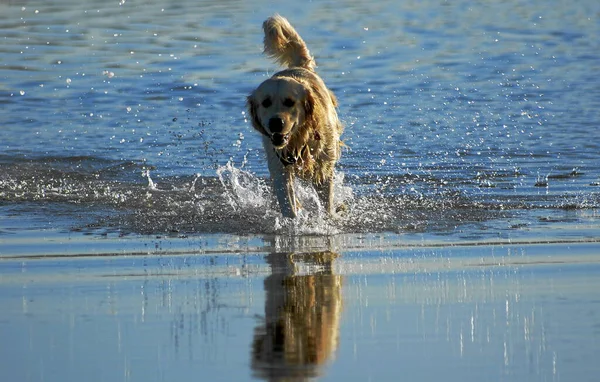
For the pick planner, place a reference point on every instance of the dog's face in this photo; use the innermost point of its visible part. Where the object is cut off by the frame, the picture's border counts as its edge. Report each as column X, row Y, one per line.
column 279, row 106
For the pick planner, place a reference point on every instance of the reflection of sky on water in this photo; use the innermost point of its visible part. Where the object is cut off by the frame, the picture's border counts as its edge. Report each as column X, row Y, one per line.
column 493, row 313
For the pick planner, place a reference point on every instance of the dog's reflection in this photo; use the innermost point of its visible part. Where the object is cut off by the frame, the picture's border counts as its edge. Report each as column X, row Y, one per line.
column 302, row 314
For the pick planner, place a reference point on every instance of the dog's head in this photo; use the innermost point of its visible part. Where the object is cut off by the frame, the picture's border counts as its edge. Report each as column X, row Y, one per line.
column 279, row 107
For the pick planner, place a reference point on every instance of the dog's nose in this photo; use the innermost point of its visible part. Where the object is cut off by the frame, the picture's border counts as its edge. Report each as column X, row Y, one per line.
column 276, row 125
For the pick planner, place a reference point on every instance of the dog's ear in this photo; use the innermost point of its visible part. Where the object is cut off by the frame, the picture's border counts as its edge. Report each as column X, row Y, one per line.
column 252, row 106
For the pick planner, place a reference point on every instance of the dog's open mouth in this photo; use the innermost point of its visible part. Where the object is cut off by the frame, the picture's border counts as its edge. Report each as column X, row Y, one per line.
column 279, row 139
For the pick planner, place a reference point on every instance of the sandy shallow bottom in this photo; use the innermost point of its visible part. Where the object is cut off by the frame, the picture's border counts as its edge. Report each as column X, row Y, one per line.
column 499, row 312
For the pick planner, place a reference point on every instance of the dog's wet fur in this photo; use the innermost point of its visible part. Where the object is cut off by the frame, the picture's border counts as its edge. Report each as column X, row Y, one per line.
column 296, row 114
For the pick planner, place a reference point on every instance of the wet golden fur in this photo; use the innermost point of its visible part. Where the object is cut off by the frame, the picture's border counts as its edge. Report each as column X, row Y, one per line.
column 307, row 130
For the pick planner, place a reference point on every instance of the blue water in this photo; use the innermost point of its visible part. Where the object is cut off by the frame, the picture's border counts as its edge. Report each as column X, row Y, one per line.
column 139, row 238
column 460, row 117
column 513, row 313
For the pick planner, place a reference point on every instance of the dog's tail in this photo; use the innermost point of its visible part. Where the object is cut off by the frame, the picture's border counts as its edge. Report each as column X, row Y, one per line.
column 285, row 45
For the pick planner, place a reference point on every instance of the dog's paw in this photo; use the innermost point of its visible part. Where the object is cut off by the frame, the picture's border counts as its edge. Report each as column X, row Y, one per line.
column 339, row 213
column 341, row 208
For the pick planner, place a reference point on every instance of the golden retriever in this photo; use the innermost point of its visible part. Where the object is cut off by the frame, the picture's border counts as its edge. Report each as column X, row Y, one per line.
column 296, row 114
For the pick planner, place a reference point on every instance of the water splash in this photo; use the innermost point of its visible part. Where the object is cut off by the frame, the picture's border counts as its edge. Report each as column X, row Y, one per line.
column 250, row 195
column 151, row 184
column 239, row 202
column 242, row 189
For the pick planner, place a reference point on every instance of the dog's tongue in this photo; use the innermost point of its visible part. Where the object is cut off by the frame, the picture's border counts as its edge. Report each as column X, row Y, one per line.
column 278, row 139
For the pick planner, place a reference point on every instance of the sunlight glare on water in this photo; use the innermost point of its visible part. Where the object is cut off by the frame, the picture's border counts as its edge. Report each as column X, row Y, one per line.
column 459, row 109
column 140, row 239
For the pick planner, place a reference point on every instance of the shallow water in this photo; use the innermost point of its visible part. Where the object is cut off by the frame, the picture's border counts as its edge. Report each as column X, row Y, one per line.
column 459, row 117
column 514, row 313
column 132, row 184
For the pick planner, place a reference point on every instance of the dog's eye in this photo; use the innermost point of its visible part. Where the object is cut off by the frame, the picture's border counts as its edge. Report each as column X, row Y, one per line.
column 266, row 103
column 288, row 102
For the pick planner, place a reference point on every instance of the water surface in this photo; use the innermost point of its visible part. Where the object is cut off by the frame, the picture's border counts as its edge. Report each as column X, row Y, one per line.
column 459, row 117
column 515, row 313
column 139, row 238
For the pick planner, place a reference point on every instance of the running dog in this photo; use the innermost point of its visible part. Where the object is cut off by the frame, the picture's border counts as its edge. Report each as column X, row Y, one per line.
column 296, row 114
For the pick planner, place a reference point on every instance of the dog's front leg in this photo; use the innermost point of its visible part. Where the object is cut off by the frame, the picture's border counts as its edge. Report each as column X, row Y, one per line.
column 283, row 182
column 289, row 206
column 325, row 192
